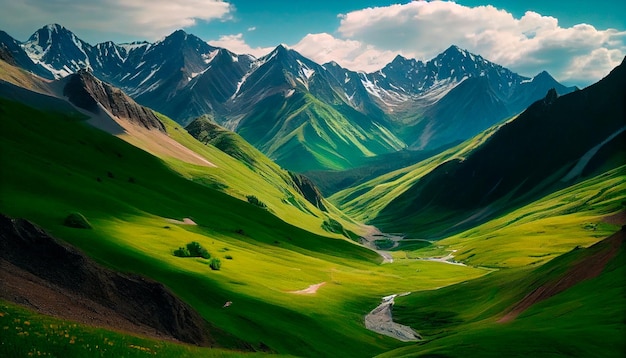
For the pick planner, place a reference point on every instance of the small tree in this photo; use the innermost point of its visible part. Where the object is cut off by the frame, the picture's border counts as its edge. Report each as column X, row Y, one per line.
column 215, row 264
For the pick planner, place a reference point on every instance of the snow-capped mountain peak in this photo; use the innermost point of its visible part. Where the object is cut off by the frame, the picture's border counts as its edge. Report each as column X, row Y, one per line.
column 58, row 50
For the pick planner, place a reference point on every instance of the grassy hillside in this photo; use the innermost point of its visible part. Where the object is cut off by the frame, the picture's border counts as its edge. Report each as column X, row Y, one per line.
column 248, row 172
column 309, row 134
column 31, row 334
column 546, row 253
column 333, row 181
column 579, row 310
column 365, row 201
column 128, row 196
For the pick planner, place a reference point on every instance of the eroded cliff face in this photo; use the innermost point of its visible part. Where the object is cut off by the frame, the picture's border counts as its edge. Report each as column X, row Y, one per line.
column 308, row 190
column 54, row 278
column 86, row 91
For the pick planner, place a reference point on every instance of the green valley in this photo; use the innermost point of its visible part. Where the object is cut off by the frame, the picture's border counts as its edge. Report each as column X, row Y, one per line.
column 124, row 233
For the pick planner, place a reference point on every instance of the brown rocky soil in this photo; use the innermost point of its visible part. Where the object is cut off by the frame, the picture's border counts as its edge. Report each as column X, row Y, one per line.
column 53, row 278
column 590, row 266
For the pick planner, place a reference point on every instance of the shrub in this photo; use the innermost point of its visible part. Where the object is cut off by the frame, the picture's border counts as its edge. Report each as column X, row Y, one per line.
column 182, row 252
column 196, row 250
column 77, row 220
column 228, row 257
column 255, row 201
column 215, row 264
column 192, row 249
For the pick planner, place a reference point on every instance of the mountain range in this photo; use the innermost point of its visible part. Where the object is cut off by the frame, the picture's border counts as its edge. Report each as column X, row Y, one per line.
column 303, row 115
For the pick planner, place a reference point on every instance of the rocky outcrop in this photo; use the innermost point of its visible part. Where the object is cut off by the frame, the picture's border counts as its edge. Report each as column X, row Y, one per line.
column 39, row 271
column 87, row 92
column 308, row 189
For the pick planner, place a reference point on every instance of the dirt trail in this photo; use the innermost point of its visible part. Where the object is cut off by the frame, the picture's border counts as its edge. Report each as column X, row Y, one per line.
column 309, row 290
column 380, row 320
column 185, row 221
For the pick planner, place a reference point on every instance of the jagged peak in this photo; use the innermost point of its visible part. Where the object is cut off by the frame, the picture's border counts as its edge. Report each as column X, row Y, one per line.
column 106, row 44
column 543, row 75
column 46, row 32
column 178, row 35
column 144, row 42
column 53, row 27
column 332, row 64
column 456, row 50
column 399, row 58
column 551, row 96
column 281, row 49
column 182, row 35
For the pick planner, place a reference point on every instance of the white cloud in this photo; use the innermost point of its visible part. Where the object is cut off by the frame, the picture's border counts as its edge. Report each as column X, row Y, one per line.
column 253, row 28
column 422, row 29
column 238, row 45
column 351, row 54
column 133, row 18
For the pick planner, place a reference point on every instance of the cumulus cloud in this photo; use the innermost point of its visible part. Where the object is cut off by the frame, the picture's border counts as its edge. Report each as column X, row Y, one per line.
column 422, row 29
column 351, row 54
column 238, row 45
column 134, row 18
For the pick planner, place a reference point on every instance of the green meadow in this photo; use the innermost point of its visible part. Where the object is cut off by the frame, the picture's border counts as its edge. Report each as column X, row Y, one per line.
column 128, row 196
column 54, row 164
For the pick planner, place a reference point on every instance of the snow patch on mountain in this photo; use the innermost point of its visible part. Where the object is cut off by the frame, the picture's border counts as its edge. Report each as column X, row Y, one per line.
column 208, row 57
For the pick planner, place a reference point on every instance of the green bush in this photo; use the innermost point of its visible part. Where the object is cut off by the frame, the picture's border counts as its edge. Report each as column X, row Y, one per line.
column 196, row 250
column 255, row 201
column 192, row 249
column 228, row 257
column 77, row 220
column 182, row 252
column 215, row 264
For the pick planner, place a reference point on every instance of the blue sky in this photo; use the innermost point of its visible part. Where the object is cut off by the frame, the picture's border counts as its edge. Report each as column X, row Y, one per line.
column 578, row 42
column 279, row 21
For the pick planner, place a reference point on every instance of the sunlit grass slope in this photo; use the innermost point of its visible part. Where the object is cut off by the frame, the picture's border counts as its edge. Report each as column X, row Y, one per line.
column 53, row 165
column 541, row 230
column 26, row 334
column 531, row 246
column 264, row 179
column 365, row 201
column 584, row 320
column 308, row 134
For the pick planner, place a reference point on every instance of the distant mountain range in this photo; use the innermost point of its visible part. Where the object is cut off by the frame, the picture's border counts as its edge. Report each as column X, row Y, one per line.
column 304, row 115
